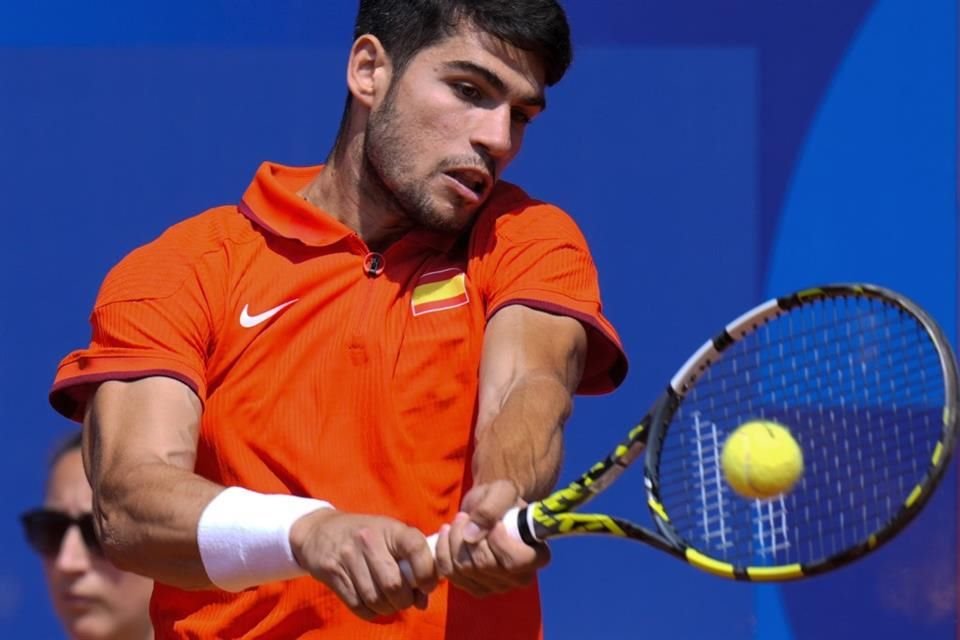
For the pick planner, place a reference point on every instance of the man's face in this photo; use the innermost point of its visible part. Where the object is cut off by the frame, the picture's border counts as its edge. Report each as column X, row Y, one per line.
column 450, row 124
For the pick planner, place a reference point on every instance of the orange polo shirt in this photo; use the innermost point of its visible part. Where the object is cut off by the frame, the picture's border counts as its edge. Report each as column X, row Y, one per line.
column 329, row 371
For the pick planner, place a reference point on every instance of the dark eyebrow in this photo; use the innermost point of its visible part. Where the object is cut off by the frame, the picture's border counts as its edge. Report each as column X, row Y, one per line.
column 493, row 80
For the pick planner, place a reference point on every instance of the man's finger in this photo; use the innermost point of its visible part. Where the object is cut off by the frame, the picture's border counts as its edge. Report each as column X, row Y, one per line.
column 410, row 545
column 482, row 558
column 516, row 555
column 459, row 555
column 444, row 561
column 355, row 561
column 485, row 505
column 342, row 584
column 385, row 572
column 471, row 586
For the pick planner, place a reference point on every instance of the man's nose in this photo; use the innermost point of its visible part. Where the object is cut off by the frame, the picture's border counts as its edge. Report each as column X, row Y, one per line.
column 493, row 132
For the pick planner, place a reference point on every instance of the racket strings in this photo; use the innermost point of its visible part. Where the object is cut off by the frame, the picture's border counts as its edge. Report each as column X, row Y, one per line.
column 812, row 375
column 858, row 382
column 807, row 360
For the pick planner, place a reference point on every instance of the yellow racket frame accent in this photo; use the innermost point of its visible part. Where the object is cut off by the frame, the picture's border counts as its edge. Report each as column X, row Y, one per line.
column 708, row 564
column 775, row 574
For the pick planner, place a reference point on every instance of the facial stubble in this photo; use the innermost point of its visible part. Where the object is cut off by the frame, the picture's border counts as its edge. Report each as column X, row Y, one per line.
column 391, row 174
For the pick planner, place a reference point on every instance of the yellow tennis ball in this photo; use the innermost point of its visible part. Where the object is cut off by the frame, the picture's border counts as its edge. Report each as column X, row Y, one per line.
column 761, row 459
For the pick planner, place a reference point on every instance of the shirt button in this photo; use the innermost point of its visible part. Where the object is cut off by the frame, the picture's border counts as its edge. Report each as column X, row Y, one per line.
column 373, row 264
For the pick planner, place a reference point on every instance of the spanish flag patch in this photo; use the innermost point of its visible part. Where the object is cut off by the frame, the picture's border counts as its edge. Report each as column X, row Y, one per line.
column 439, row 290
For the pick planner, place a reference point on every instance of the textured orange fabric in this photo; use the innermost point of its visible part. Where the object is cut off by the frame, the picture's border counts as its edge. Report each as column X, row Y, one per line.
column 326, row 371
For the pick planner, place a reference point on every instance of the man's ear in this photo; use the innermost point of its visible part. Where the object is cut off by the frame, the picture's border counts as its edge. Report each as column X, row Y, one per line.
column 368, row 70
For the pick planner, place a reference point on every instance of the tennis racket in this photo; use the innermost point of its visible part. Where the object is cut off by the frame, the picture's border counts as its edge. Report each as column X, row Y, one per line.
column 867, row 384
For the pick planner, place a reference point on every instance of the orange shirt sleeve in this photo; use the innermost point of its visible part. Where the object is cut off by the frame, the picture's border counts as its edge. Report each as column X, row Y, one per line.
column 154, row 316
column 535, row 255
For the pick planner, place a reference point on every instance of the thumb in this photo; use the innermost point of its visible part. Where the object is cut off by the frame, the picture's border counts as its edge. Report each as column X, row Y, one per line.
column 485, row 505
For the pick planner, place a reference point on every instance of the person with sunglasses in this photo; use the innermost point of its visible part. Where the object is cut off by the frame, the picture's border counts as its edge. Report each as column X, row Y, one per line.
column 92, row 598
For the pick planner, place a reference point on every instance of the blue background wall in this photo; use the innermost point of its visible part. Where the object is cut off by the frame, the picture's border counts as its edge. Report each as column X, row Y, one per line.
column 715, row 153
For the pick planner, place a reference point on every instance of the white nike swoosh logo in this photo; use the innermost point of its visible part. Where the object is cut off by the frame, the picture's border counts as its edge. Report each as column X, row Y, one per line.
column 247, row 321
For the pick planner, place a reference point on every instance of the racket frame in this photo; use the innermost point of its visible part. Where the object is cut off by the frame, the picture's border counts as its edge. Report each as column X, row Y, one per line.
column 555, row 515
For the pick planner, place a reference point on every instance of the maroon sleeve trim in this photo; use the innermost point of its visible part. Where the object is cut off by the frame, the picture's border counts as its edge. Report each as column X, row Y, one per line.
column 69, row 397
column 602, row 345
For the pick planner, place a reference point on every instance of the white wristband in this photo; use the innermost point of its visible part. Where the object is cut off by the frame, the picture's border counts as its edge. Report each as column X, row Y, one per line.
column 244, row 537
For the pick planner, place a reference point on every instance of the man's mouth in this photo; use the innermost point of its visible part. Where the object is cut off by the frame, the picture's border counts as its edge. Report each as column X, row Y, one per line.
column 473, row 179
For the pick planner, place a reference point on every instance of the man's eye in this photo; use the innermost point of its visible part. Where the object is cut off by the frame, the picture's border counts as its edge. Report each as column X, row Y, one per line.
column 468, row 92
column 521, row 117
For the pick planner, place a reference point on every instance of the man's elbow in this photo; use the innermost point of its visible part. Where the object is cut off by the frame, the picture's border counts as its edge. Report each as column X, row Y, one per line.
column 115, row 525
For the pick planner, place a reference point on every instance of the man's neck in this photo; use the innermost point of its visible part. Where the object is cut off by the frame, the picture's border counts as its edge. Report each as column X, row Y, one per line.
column 343, row 190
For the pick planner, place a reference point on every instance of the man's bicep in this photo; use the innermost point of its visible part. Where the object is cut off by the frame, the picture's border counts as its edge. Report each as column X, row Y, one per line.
column 520, row 342
column 155, row 419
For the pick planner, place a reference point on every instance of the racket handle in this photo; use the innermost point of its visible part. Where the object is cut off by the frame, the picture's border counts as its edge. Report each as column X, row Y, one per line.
column 432, row 544
column 510, row 520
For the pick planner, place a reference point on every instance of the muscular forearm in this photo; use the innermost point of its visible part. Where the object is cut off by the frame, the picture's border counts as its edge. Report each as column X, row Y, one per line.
column 531, row 365
column 523, row 441
column 148, row 516
column 140, row 442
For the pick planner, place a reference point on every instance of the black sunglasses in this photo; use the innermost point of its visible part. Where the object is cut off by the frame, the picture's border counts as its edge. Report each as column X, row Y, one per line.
column 45, row 529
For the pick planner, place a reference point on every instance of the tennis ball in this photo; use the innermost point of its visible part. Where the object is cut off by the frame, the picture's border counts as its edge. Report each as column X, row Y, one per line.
column 761, row 459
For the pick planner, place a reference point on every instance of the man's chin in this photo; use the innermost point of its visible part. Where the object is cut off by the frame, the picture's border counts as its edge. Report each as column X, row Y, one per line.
column 450, row 221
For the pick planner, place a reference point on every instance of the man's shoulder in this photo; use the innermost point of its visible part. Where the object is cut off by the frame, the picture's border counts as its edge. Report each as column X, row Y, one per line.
column 513, row 213
column 160, row 267
column 208, row 230
column 203, row 233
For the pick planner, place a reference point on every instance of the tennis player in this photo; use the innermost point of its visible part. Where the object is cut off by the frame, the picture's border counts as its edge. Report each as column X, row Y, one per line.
column 282, row 394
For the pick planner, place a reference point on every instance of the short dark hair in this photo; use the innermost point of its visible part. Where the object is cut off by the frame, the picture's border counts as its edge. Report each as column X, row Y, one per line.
column 74, row 441
column 404, row 27
column 68, row 444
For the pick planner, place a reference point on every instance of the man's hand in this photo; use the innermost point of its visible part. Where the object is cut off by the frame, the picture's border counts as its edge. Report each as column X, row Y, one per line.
column 356, row 556
column 477, row 554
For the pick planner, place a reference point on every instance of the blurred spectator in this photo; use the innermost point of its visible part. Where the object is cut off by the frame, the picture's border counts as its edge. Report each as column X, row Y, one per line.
column 93, row 599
